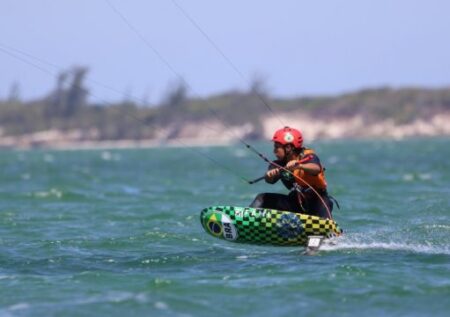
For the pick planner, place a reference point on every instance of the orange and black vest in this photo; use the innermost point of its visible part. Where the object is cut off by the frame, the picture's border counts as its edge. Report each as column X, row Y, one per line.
column 318, row 182
column 304, row 179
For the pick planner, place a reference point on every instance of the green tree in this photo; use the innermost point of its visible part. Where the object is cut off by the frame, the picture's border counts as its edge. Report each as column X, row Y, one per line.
column 77, row 93
column 14, row 94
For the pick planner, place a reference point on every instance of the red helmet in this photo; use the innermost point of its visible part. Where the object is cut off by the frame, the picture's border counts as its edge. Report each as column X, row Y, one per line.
column 288, row 136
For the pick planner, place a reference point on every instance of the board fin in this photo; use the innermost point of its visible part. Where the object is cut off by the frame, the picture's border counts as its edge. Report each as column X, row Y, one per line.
column 313, row 245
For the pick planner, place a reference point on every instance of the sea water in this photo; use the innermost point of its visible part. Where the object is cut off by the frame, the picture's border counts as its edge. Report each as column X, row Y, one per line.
column 117, row 233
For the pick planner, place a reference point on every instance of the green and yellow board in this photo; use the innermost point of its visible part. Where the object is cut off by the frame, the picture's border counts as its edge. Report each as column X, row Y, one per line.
column 265, row 226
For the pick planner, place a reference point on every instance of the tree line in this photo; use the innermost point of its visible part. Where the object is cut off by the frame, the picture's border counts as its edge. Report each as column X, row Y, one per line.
column 67, row 107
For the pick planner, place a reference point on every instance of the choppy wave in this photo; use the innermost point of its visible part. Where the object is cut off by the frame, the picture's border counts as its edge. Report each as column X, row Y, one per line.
column 117, row 232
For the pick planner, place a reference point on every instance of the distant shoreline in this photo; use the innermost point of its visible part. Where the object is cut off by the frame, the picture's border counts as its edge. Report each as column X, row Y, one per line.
column 63, row 119
column 313, row 129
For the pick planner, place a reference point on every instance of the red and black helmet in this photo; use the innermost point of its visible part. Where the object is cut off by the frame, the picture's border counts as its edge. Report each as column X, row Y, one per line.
column 288, row 136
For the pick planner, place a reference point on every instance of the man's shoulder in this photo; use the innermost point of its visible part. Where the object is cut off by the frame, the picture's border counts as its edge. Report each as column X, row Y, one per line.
column 310, row 156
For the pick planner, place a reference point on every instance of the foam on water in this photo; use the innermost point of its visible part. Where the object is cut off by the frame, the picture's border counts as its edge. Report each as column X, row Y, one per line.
column 357, row 242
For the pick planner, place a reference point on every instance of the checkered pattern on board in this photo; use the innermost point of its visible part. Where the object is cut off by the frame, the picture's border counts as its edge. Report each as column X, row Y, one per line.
column 261, row 226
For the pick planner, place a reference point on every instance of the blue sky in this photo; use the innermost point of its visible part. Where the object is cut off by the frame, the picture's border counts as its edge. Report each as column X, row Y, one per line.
column 300, row 47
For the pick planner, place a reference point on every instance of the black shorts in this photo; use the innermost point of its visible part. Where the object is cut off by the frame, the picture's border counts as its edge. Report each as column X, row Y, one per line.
column 310, row 204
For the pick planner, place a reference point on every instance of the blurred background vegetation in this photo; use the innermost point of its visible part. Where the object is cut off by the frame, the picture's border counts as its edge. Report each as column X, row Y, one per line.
column 67, row 108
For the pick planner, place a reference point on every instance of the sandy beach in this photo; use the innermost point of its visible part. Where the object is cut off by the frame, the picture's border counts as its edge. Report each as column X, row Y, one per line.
column 213, row 132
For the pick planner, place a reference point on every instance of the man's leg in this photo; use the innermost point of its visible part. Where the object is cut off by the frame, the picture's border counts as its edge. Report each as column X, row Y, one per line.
column 272, row 201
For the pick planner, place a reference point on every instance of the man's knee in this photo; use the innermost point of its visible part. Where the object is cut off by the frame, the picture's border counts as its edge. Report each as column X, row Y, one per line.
column 258, row 202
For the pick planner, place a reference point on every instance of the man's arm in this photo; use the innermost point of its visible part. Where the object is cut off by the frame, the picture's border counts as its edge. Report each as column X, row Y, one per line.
column 310, row 168
column 311, row 165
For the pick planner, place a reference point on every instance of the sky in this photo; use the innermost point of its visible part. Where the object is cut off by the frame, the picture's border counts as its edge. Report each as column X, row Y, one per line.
column 299, row 47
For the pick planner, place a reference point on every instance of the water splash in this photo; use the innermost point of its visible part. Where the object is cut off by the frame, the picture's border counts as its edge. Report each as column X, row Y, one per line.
column 356, row 242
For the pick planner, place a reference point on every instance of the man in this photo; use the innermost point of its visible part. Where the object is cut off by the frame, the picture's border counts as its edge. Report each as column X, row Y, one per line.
column 305, row 179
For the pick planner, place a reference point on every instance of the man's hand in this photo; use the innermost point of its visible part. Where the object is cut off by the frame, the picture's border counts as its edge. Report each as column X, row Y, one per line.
column 291, row 165
column 273, row 173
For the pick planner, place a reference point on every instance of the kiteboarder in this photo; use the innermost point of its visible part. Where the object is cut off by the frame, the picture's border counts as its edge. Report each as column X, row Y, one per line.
column 300, row 170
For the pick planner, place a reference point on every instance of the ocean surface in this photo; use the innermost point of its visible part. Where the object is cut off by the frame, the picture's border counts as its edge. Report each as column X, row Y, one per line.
column 117, row 233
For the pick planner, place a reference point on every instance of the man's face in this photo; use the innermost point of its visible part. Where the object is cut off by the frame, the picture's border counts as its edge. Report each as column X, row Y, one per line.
column 278, row 150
